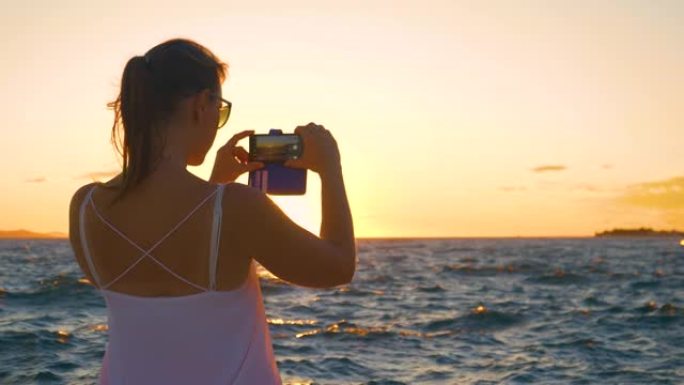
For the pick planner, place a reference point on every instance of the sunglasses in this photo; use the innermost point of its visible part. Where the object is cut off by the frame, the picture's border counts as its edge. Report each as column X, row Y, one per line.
column 224, row 112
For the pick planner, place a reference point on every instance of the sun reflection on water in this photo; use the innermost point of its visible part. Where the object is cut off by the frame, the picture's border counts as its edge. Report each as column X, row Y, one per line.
column 99, row 327
column 280, row 321
column 481, row 309
column 63, row 336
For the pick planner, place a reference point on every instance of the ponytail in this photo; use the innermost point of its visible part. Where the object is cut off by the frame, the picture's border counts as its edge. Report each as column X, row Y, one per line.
column 134, row 110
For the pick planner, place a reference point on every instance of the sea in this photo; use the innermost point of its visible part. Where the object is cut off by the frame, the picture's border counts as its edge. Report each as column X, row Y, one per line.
column 418, row 311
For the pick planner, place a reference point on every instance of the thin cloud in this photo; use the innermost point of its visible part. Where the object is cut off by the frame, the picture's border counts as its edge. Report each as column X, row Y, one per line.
column 550, row 168
column 665, row 198
column 97, row 175
column 39, row 179
column 666, row 194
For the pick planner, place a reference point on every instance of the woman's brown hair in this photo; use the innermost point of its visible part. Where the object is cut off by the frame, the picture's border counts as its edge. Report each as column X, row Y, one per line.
column 151, row 87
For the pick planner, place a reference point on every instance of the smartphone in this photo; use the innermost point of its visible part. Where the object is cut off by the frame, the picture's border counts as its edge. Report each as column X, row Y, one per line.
column 273, row 149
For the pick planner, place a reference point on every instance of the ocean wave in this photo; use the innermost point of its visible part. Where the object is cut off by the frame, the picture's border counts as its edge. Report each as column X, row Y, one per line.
column 50, row 289
column 484, row 311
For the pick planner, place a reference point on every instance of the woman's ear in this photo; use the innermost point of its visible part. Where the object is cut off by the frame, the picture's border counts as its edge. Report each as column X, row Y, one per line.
column 201, row 101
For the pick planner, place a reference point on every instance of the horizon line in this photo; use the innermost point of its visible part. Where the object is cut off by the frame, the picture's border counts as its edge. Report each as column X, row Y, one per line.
column 29, row 234
column 400, row 238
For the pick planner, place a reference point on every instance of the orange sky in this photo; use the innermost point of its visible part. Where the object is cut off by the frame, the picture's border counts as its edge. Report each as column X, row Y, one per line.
column 525, row 118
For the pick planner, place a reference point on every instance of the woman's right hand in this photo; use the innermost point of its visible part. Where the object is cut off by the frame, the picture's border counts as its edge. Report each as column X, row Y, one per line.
column 320, row 153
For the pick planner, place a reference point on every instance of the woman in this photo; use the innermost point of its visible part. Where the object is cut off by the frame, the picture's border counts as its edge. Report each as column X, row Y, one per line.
column 173, row 255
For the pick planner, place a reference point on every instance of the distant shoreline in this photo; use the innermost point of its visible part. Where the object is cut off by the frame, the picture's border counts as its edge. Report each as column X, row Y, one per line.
column 26, row 234
column 641, row 232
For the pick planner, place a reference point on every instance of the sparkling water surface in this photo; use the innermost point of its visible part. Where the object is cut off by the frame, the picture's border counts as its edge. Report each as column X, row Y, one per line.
column 451, row 311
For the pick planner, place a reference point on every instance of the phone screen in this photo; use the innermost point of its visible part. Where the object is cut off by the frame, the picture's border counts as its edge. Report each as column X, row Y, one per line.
column 274, row 148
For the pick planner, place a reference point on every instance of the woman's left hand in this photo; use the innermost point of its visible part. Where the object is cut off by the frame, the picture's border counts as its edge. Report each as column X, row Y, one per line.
column 231, row 160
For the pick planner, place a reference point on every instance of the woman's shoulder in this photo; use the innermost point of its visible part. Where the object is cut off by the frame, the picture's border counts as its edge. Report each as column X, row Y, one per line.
column 75, row 205
column 80, row 194
column 243, row 202
column 239, row 195
column 236, row 188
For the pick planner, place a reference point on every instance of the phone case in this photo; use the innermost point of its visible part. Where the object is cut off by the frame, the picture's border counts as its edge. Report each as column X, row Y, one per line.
column 277, row 179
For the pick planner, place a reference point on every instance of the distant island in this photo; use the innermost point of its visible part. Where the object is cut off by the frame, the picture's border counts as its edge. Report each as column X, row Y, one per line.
column 641, row 232
column 26, row 234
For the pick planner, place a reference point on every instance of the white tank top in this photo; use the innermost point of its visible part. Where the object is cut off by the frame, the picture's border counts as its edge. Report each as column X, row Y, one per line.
column 209, row 338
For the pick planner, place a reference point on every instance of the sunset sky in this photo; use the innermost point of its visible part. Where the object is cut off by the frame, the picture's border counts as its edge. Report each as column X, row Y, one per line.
column 497, row 118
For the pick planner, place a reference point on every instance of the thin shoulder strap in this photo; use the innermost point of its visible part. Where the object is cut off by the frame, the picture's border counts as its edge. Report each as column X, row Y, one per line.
column 84, row 241
column 215, row 236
